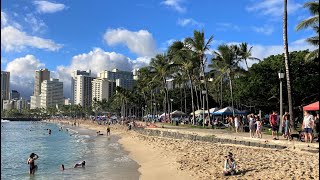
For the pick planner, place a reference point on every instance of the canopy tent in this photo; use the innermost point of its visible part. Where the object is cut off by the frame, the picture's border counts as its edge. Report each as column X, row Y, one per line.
column 227, row 111
column 113, row 117
column 212, row 110
column 200, row 111
column 312, row 107
column 178, row 113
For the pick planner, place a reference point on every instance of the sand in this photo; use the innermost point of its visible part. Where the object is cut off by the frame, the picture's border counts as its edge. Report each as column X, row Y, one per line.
column 164, row 158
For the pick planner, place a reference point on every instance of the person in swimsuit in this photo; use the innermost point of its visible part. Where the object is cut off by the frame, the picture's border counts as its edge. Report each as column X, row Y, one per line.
column 30, row 161
column 80, row 164
column 286, row 124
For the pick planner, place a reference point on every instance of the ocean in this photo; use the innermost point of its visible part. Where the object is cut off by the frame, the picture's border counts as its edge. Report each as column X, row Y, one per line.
column 104, row 156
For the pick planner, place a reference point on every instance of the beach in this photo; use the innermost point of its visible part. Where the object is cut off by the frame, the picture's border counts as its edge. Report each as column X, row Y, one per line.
column 165, row 158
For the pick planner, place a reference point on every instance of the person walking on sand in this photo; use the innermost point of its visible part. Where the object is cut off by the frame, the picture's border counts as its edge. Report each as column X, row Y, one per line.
column 30, row 161
column 273, row 123
column 308, row 125
column 229, row 165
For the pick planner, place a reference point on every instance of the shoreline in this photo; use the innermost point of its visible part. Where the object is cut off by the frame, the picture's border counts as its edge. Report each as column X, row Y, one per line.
column 165, row 158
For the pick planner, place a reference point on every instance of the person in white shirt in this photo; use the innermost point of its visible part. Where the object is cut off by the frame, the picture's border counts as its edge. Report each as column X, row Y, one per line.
column 307, row 125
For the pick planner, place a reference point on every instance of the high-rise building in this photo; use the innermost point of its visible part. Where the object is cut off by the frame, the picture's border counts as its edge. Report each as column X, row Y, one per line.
column 101, row 89
column 40, row 76
column 14, row 94
column 21, row 104
column 51, row 93
column 74, row 76
column 122, row 79
column 136, row 74
column 81, row 86
column 5, row 85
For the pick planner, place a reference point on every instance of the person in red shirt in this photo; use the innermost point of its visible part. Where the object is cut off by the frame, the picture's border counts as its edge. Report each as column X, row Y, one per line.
column 274, row 125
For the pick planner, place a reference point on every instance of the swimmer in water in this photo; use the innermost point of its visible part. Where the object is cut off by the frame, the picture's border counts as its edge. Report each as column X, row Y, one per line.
column 80, row 164
column 30, row 161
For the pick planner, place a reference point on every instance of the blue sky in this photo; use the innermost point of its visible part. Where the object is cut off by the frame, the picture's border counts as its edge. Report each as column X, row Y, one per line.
column 67, row 35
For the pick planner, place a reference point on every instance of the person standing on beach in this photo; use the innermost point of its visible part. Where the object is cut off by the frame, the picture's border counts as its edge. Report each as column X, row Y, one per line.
column 308, row 125
column 286, row 124
column 259, row 128
column 273, row 123
column 30, row 161
column 251, row 125
column 108, row 129
column 236, row 123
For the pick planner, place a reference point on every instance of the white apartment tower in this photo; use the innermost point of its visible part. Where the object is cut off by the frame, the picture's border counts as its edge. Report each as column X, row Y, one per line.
column 51, row 93
column 81, row 88
column 102, row 89
column 40, row 76
column 122, row 79
column 5, row 84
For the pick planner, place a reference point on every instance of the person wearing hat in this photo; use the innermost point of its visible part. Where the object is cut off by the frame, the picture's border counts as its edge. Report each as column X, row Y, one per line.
column 229, row 165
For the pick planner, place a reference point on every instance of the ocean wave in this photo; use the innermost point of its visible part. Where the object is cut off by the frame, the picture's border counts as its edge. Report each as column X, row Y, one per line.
column 115, row 146
column 122, row 159
column 4, row 120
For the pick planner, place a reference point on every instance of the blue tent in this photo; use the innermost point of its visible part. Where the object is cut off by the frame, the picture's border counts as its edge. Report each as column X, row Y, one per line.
column 228, row 111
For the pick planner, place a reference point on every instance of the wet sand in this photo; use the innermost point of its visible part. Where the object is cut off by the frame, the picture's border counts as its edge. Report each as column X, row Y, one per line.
column 164, row 158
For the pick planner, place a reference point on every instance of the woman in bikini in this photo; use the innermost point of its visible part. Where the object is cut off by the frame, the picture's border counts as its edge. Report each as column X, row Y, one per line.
column 30, row 161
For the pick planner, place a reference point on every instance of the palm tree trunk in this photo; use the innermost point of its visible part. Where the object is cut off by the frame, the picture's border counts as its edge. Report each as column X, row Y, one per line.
column 180, row 97
column 185, row 98
column 192, row 101
column 195, row 88
column 221, row 94
column 231, row 94
column 286, row 60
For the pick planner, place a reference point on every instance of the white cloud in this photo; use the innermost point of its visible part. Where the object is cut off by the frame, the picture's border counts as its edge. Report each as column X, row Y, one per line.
column 4, row 19
column 22, row 71
column 36, row 24
column 227, row 26
column 273, row 7
column 97, row 60
column 267, row 30
column 13, row 39
column 48, row 7
column 175, row 4
column 189, row 21
column 140, row 42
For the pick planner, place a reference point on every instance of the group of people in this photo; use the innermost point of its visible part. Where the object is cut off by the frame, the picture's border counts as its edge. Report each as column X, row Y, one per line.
column 33, row 167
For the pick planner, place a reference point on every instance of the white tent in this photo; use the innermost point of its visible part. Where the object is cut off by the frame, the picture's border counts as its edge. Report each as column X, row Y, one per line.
column 212, row 110
column 200, row 111
column 178, row 113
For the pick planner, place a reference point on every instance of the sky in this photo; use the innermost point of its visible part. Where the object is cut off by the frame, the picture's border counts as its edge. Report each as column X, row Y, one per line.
column 69, row 35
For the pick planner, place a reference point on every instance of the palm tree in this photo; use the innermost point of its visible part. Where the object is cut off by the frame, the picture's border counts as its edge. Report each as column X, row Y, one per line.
column 226, row 64
column 311, row 22
column 160, row 67
column 286, row 60
column 199, row 45
column 245, row 53
column 186, row 60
